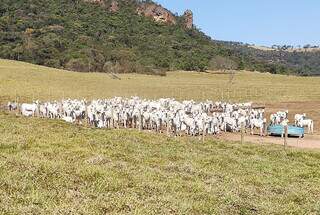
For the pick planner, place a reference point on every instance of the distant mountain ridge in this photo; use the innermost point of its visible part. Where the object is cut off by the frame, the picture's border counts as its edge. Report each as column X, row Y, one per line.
column 299, row 61
column 121, row 36
column 286, row 48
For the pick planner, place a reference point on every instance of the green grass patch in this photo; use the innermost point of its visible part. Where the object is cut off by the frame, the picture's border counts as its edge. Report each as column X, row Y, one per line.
column 51, row 167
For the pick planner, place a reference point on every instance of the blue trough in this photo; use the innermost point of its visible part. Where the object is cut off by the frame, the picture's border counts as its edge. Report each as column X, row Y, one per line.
column 293, row 131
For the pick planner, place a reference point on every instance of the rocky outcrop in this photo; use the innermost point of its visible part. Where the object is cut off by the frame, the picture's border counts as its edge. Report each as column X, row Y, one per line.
column 112, row 6
column 101, row 2
column 157, row 13
column 150, row 9
column 188, row 19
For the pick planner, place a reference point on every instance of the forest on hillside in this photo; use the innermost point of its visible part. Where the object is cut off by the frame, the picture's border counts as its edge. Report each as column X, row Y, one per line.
column 85, row 37
column 299, row 62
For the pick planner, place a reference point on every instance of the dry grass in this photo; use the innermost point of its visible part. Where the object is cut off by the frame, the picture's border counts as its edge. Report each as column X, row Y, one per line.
column 29, row 81
column 49, row 167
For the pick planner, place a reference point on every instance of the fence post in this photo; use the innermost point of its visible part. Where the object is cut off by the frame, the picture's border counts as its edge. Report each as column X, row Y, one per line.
column 203, row 133
column 265, row 129
column 140, row 122
column 285, row 136
column 168, row 126
column 242, row 133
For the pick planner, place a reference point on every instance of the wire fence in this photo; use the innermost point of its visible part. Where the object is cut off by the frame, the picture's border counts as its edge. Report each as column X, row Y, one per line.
column 180, row 91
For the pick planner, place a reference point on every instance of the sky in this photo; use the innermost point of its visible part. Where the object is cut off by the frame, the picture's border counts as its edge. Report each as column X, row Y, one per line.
column 260, row 22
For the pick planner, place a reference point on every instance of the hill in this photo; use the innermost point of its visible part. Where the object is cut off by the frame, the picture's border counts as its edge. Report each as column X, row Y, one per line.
column 122, row 36
column 306, row 48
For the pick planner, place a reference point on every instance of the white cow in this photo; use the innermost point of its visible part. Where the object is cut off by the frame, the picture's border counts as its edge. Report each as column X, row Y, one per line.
column 259, row 124
column 187, row 117
column 299, row 117
column 306, row 123
column 29, row 109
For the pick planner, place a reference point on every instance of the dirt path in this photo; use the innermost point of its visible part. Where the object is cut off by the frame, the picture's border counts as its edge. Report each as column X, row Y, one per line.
column 308, row 142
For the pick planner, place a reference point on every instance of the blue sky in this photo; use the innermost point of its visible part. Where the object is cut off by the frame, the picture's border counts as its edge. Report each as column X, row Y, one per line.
column 261, row 22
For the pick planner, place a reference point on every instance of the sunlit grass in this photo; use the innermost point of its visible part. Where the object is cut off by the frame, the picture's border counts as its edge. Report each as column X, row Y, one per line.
column 27, row 82
column 50, row 167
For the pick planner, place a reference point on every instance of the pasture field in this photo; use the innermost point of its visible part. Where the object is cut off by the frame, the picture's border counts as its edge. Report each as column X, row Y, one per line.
column 49, row 167
column 29, row 82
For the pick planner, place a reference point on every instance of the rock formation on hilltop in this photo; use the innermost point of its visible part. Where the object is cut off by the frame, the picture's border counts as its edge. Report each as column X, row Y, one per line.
column 157, row 13
column 148, row 9
column 188, row 19
column 101, row 2
column 114, row 7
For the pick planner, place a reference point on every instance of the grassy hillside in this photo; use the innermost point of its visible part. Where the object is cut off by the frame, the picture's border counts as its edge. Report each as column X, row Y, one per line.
column 28, row 82
column 87, row 37
column 82, row 36
column 51, row 167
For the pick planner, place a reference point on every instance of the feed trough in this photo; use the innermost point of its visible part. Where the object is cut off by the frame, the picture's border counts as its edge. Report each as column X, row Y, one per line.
column 293, row 131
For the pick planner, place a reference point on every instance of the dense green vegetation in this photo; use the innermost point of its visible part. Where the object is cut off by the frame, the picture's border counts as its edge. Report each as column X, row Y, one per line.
column 87, row 37
column 281, row 60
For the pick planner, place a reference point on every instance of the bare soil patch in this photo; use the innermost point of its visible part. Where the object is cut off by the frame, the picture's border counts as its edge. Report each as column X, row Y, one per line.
column 308, row 142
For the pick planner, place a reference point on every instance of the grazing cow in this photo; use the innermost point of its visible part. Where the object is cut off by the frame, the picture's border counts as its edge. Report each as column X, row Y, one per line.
column 301, row 120
column 299, row 117
column 259, row 124
column 29, row 109
column 187, row 117
column 306, row 123
column 12, row 106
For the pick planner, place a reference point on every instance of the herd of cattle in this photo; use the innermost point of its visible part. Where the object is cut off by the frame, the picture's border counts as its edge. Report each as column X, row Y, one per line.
column 165, row 114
